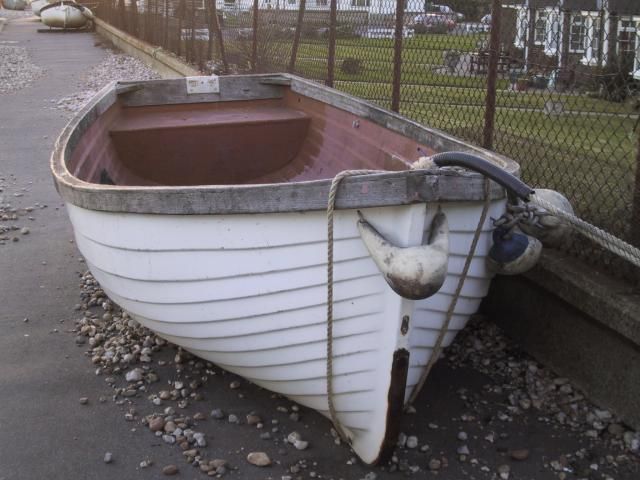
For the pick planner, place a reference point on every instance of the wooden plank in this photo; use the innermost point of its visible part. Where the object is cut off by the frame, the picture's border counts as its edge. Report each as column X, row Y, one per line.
column 398, row 188
column 174, row 91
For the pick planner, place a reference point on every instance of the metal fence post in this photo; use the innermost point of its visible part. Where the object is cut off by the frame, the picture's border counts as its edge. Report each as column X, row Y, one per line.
column 165, row 39
column 635, row 209
column 492, row 74
column 123, row 15
column 254, row 46
column 218, row 32
column 331, row 58
column 296, row 36
column 397, row 56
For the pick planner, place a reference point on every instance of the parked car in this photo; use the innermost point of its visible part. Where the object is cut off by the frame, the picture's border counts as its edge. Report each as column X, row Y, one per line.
column 433, row 21
column 445, row 10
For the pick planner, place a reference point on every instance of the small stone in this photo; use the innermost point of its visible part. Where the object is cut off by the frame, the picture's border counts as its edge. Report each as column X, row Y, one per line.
column 293, row 437
column 108, row 457
column 253, row 419
column 301, row 444
column 412, row 441
column 434, row 464
column 233, row 418
column 199, row 416
column 217, row 413
column 259, row 459
column 462, row 436
column 463, row 450
column 170, row 470
column 503, row 472
column 200, row 440
column 134, row 375
column 234, row 385
column 156, row 424
column 371, row 476
column 164, row 395
column 218, row 462
column 519, row 454
column 84, row 400
column 24, row 231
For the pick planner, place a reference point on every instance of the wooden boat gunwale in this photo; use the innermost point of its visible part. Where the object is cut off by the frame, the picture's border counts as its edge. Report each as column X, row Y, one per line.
column 384, row 189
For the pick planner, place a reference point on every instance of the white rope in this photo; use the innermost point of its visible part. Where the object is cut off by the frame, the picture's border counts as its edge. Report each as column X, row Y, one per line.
column 437, row 348
column 605, row 239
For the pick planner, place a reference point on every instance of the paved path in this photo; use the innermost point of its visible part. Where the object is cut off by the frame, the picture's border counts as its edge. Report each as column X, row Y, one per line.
column 44, row 432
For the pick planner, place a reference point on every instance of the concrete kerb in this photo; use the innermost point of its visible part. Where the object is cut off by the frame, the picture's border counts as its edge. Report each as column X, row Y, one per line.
column 582, row 323
column 165, row 63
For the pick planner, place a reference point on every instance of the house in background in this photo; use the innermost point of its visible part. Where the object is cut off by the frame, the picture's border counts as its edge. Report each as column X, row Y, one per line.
column 574, row 35
column 381, row 7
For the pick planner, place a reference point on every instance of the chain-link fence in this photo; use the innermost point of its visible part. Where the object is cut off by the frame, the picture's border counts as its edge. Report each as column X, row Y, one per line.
column 554, row 84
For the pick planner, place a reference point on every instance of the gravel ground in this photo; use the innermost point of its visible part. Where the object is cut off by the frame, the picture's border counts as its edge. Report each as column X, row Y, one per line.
column 161, row 388
column 16, row 69
column 116, row 67
column 15, row 211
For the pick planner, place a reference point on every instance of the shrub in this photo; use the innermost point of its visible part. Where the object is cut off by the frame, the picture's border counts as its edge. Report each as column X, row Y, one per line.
column 351, row 66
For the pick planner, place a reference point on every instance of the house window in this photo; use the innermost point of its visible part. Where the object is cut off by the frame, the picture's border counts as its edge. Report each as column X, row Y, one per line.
column 552, row 39
column 321, row 3
column 540, row 33
column 592, row 27
column 626, row 36
column 521, row 28
column 292, row 2
column 577, row 33
column 229, row 2
column 360, row 3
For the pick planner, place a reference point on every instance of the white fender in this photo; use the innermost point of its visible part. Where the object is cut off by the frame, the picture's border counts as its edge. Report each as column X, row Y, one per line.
column 412, row 272
column 554, row 230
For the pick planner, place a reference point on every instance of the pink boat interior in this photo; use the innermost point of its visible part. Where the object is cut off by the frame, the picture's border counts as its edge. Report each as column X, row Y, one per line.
column 294, row 138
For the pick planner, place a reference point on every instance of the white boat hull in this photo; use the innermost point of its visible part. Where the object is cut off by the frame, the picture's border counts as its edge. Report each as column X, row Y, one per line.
column 63, row 16
column 14, row 4
column 37, row 6
column 248, row 292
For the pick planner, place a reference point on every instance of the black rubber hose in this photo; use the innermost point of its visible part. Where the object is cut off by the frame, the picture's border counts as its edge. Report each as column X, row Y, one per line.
column 512, row 184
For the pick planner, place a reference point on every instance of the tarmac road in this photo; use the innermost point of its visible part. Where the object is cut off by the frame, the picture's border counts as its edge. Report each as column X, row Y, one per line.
column 45, row 433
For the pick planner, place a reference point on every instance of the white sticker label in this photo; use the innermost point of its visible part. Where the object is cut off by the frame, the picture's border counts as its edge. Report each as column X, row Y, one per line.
column 203, row 85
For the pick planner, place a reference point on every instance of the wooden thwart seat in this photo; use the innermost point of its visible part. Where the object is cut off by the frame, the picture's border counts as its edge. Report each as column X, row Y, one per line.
column 219, row 144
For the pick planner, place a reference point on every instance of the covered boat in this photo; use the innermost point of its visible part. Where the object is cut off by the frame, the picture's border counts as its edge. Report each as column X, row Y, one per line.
column 200, row 205
column 14, row 4
column 65, row 15
column 37, row 6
